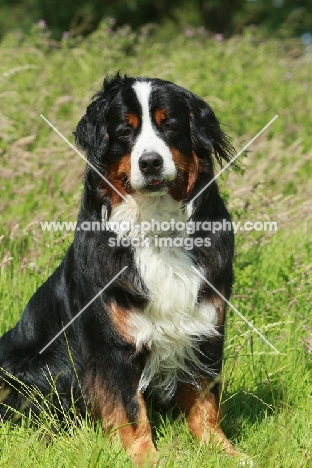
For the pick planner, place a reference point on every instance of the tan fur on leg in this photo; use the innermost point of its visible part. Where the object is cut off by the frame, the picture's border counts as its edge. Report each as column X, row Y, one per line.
column 202, row 412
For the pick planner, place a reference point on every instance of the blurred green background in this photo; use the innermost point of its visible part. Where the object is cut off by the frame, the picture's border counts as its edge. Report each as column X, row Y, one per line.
column 227, row 17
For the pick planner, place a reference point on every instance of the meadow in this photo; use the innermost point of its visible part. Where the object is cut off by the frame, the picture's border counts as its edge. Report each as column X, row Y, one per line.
column 247, row 79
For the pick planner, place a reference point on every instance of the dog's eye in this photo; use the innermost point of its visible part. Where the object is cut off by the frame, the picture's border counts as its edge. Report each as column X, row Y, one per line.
column 168, row 127
column 126, row 133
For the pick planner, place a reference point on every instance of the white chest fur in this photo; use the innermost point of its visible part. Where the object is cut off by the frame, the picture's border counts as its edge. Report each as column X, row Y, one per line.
column 173, row 322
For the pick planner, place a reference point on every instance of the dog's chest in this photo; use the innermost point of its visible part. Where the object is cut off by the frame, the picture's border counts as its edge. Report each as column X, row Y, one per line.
column 173, row 323
column 172, row 284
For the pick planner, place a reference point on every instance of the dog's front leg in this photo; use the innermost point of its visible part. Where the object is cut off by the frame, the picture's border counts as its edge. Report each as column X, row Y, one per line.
column 201, row 408
column 136, row 435
column 122, row 409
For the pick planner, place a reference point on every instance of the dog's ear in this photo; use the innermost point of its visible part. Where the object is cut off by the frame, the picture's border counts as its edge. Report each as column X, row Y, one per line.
column 91, row 135
column 91, row 132
column 206, row 133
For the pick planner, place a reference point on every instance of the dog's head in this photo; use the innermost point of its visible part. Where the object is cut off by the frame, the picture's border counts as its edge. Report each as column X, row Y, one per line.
column 150, row 136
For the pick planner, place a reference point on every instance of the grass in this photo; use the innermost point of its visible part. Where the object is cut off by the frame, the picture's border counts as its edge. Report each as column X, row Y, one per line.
column 268, row 396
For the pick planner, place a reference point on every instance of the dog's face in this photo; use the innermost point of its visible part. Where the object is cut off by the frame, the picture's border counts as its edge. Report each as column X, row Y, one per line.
column 150, row 136
column 149, row 128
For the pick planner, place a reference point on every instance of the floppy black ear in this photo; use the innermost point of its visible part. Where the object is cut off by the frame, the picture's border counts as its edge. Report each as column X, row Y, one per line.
column 91, row 132
column 206, row 133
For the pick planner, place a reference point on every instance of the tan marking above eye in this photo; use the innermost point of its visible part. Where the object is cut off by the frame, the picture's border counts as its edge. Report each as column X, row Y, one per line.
column 159, row 116
column 133, row 120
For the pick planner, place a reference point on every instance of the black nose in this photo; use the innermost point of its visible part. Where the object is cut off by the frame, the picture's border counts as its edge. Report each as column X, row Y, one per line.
column 151, row 163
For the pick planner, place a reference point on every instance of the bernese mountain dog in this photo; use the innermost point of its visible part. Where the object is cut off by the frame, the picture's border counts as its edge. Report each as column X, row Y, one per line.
column 151, row 327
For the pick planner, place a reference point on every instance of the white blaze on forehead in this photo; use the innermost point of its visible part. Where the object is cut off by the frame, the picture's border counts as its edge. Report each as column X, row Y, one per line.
column 148, row 141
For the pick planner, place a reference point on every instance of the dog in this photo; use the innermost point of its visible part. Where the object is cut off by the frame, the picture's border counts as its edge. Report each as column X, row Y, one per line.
column 152, row 329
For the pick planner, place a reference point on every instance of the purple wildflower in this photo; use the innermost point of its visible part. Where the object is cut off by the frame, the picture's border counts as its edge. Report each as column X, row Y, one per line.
column 219, row 37
column 42, row 24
